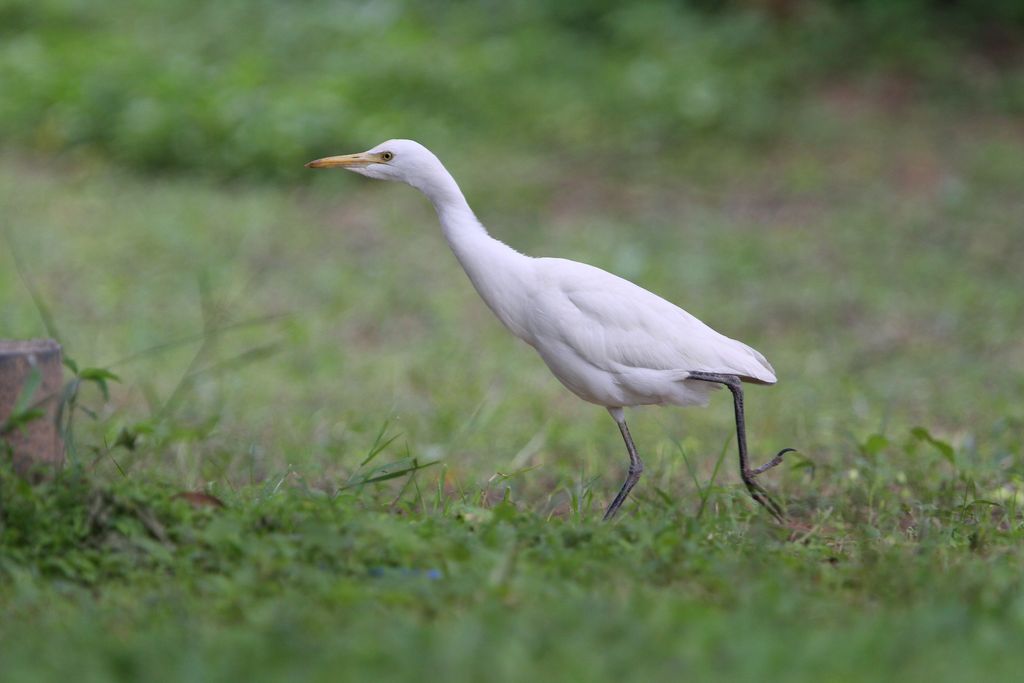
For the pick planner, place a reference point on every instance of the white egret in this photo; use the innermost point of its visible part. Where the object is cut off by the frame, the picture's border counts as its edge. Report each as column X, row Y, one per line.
column 607, row 340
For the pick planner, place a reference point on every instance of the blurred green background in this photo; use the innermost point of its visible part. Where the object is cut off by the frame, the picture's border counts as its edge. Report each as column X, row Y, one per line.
column 243, row 88
column 838, row 184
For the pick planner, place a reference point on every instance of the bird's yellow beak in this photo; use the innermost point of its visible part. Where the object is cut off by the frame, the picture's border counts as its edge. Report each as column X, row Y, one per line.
column 346, row 161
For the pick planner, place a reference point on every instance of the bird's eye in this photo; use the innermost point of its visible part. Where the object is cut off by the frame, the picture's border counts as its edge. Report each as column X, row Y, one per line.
column 387, row 156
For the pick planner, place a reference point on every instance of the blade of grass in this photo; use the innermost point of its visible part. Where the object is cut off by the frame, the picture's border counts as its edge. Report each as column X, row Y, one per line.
column 378, row 446
column 37, row 299
column 197, row 337
column 415, row 467
column 714, row 475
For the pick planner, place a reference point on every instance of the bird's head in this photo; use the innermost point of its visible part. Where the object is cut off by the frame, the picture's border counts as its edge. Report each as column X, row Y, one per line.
column 402, row 160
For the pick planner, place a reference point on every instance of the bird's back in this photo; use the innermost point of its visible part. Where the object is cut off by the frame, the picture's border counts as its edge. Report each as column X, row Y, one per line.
column 614, row 343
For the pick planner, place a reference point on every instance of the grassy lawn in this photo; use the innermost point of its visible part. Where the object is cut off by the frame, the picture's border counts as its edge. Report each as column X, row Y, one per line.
column 293, row 333
column 394, row 488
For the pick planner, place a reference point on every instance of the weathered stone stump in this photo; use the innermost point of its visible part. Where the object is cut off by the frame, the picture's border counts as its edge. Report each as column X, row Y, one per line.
column 36, row 443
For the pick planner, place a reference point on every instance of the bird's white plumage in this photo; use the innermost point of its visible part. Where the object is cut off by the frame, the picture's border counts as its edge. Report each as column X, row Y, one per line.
column 606, row 339
column 614, row 343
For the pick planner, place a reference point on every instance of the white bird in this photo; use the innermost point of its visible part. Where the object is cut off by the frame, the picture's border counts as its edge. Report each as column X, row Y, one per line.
column 607, row 340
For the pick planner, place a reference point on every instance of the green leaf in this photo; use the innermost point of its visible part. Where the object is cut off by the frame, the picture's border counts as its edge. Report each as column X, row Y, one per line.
column 24, row 411
column 983, row 501
column 944, row 449
column 20, row 419
column 875, row 444
column 28, row 391
column 99, row 376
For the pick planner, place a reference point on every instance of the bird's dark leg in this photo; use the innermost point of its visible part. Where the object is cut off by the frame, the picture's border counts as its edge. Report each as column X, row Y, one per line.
column 635, row 464
column 748, row 475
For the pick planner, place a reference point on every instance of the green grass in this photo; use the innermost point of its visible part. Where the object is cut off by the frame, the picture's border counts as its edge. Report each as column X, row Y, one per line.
column 873, row 258
column 130, row 584
column 407, row 491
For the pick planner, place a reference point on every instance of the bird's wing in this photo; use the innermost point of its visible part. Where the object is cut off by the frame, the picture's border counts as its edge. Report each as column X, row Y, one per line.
column 614, row 324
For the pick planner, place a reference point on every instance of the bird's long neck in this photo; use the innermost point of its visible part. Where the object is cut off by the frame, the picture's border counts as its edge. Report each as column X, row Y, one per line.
column 493, row 267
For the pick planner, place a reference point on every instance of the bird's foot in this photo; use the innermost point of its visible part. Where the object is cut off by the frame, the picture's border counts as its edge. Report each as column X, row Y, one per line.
column 773, row 462
column 758, row 493
column 631, row 479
